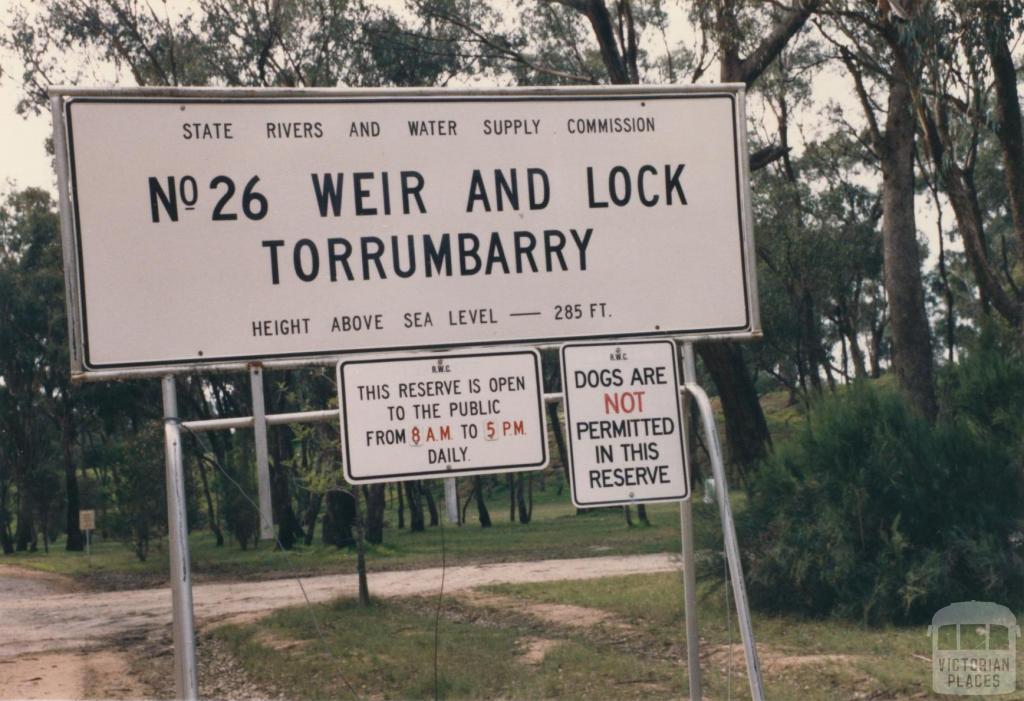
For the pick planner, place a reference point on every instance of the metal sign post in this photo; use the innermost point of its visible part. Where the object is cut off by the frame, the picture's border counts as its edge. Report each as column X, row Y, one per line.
column 732, row 548
column 87, row 523
column 689, row 561
column 185, row 684
column 451, row 501
column 259, row 427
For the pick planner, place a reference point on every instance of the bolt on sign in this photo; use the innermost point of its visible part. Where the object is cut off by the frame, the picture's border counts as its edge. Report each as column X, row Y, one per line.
column 625, row 423
column 415, row 416
column 214, row 227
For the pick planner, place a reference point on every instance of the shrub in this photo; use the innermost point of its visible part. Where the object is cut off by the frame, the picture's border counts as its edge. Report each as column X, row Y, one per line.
column 872, row 513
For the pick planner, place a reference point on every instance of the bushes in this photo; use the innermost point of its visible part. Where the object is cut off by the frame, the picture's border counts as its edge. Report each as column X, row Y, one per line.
column 874, row 514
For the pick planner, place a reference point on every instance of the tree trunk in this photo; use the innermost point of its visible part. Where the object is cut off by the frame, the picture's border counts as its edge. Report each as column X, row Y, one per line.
column 878, row 346
column 75, row 540
column 412, row 492
column 524, row 513
column 481, row 505
column 24, row 536
column 555, row 424
column 339, row 518
column 1008, row 110
column 911, row 333
column 288, row 528
column 375, row 514
column 309, row 520
column 211, row 511
column 401, row 506
column 6, row 542
column 431, row 504
column 510, row 479
column 746, row 429
column 360, row 524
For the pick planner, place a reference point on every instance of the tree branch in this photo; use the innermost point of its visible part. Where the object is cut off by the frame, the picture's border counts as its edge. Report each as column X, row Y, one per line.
column 772, row 45
column 597, row 12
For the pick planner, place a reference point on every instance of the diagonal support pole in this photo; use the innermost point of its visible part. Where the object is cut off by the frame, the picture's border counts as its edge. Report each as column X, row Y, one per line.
column 732, row 548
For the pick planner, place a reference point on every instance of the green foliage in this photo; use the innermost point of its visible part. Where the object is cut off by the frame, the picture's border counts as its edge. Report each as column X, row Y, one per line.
column 874, row 514
column 137, row 468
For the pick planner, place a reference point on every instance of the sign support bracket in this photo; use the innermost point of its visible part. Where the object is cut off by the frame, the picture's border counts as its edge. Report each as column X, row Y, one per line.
column 184, row 635
column 732, row 548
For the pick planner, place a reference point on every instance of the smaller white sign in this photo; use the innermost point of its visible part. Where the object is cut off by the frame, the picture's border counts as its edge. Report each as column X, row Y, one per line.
column 87, row 520
column 625, row 423
column 418, row 416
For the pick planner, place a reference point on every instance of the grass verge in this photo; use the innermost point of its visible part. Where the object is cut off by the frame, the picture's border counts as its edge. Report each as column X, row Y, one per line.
column 526, row 642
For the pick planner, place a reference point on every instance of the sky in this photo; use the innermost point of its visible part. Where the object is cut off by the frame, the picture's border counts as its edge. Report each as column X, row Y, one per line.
column 24, row 162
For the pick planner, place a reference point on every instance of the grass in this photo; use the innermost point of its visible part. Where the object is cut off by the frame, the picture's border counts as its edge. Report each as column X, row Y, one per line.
column 387, row 651
column 876, row 662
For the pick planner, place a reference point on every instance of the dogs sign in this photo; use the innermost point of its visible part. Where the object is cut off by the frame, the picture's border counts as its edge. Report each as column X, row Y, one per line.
column 625, row 423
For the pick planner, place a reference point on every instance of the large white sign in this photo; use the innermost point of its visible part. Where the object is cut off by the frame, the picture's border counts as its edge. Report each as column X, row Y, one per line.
column 415, row 416
column 625, row 423
column 214, row 228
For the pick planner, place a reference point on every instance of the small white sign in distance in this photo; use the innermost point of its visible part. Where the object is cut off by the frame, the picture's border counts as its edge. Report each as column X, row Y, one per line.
column 87, row 520
column 212, row 228
column 428, row 416
column 624, row 421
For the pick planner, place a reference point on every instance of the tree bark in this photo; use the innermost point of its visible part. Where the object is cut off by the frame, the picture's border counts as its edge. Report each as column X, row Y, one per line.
column 401, row 506
column 375, row 514
column 481, row 506
column 211, row 511
column 510, row 480
column 1008, row 112
column 75, row 540
column 555, row 425
column 6, row 542
column 360, row 524
column 911, row 332
column 288, row 528
column 412, row 493
column 524, row 513
column 309, row 520
column 339, row 519
column 746, row 429
column 25, row 534
column 431, row 504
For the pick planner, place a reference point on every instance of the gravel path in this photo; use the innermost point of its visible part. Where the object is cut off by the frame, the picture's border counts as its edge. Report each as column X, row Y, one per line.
column 46, row 630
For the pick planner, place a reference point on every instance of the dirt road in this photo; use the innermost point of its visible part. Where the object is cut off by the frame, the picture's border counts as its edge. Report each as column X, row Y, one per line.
column 61, row 644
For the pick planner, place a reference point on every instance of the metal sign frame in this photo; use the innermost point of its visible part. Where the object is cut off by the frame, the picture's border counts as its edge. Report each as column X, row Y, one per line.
column 181, row 584
column 62, row 97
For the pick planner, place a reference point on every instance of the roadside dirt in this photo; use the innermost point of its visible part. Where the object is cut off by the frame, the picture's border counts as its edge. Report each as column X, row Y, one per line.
column 59, row 643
